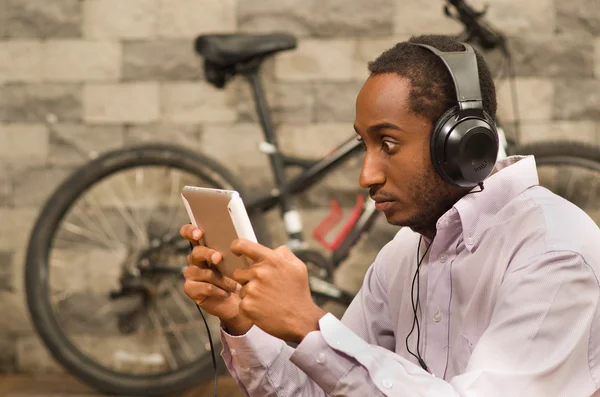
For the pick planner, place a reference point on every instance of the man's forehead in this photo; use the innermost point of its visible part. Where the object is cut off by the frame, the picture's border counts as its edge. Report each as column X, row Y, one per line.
column 385, row 93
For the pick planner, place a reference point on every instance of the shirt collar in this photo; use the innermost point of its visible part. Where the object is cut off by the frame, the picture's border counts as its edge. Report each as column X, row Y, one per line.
column 515, row 174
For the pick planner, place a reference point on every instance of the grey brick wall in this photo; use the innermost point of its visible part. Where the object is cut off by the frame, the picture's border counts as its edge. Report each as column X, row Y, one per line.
column 118, row 72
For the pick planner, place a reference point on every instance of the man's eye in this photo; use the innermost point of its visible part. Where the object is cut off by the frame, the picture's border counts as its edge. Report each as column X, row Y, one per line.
column 388, row 146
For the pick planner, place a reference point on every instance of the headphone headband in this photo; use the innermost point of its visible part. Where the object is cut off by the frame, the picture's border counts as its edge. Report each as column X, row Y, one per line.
column 462, row 66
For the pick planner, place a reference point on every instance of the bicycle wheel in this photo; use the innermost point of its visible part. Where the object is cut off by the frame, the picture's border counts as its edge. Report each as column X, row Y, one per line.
column 103, row 273
column 569, row 169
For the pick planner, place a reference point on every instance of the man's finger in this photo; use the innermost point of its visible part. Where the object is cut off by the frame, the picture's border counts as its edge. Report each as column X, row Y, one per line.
column 243, row 275
column 194, row 273
column 191, row 233
column 252, row 250
column 198, row 290
column 201, row 253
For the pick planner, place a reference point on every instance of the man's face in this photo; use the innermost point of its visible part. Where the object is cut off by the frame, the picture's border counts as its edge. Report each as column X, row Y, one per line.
column 397, row 166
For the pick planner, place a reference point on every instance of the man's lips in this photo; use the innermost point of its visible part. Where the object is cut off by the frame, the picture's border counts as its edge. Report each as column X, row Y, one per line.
column 383, row 204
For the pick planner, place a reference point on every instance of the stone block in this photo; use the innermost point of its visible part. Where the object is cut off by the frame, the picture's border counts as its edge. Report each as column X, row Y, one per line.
column 33, row 186
column 317, row 60
column 161, row 60
column 317, row 18
column 552, row 56
column 236, row 147
column 119, row 19
column 423, row 17
column 288, row 102
column 187, row 135
column 20, row 60
column 196, row 102
column 8, row 354
column 313, row 140
column 368, row 50
column 15, row 316
column 34, row 102
column 582, row 131
column 24, row 144
column 534, row 98
column 336, row 102
column 6, row 273
column 75, row 60
column 577, row 99
column 578, row 17
column 597, row 58
column 73, row 144
column 34, row 357
column 514, row 17
column 121, row 103
column 6, row 186
column 189, row 18
column 41, row 18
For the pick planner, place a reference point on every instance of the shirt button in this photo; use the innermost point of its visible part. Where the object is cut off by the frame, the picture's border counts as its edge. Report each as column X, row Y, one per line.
column 233, row 352
column 469, row 241
column 387, row 384
column 321, row 358
column 437, row 316
column 443, row 258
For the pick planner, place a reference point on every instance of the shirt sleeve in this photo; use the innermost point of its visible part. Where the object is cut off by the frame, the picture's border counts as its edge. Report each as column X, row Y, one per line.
column 266, row 366
column 536, row 344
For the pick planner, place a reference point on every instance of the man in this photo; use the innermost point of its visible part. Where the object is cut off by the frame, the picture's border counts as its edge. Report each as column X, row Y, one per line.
column 487, row 291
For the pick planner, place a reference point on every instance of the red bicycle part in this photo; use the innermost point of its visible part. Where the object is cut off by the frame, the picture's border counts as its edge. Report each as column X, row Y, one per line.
column 334, row 217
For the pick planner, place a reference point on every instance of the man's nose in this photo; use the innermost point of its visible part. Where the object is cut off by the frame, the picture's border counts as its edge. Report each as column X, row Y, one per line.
column 371, row 173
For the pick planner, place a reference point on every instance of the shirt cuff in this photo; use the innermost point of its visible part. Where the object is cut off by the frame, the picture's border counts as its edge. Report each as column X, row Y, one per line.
column 254, row 348
column 320, row 362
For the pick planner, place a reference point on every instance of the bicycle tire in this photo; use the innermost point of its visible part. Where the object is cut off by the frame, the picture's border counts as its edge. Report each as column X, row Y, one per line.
column 36, row 275
column 559, row 149
column 565, row 153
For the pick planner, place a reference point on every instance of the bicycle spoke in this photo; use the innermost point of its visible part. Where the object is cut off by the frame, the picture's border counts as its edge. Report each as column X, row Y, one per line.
column 187, row 312
column 87, row 220
column 136, row 229
column 592, row 194
column 169, row 352
column 135, row 199
column 177, row 334
column 78, row 230
column 104, row 221
column 172, row 202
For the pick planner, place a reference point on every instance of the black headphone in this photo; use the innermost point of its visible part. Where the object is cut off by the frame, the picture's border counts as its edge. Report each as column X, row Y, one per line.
column 464, row 140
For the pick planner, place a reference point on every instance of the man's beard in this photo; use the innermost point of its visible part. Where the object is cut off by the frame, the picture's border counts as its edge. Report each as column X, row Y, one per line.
column 433, row 197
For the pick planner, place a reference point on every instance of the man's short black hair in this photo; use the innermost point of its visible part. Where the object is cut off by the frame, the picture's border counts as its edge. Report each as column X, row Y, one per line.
column 432, row 88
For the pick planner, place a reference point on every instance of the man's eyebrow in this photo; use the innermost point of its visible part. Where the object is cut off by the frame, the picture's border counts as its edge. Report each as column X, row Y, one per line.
column 378, row 127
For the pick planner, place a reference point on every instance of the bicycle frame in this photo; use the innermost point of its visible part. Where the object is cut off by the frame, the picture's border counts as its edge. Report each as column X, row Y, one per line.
column 313, row 172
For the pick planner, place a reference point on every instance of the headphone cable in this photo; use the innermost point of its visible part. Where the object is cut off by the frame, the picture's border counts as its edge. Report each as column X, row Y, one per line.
column 415, row 307
column 212, row 349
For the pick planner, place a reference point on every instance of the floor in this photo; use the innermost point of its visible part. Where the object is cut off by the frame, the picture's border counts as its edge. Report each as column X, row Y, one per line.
column 67, row 386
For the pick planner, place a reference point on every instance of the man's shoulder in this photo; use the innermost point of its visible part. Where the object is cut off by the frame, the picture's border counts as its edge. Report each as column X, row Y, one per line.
column 540, row 221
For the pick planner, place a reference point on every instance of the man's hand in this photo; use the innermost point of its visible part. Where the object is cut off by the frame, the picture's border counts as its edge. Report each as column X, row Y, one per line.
column 213, row 292
column 275, row 293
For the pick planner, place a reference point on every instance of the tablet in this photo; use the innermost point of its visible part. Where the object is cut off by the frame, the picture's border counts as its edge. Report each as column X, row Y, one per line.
column 222, row 216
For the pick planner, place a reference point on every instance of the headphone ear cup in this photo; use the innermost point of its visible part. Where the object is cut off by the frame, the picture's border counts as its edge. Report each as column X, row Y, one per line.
column 464, row 147
column 438, row 143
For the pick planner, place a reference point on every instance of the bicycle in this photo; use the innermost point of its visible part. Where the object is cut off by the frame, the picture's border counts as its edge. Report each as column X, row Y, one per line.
column 148, row 258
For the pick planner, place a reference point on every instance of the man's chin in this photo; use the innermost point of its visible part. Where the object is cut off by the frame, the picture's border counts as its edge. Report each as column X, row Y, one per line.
column 396, row 218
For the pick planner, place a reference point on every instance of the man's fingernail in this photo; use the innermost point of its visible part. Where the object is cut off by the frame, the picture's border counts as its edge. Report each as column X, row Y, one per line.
column 238, row 288
column 196, row 234
column 214, row 257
